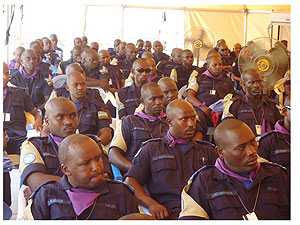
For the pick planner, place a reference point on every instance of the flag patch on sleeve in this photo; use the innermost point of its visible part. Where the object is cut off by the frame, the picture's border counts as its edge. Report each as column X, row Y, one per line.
column 102, row 115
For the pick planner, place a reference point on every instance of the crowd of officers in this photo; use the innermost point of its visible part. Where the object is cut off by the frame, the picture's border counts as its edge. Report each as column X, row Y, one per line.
column 168, row 160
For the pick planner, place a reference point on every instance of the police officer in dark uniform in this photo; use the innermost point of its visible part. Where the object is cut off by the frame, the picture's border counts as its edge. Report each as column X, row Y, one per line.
column 112, row 51
column 166, row 66
column 75, row 58
column 238, row 186
column 44, row 68
column 90, row 64
column 95, row 46
column 15, row 103
column 258, row 111
column 128, row 98
column 93, row 114
column 15, row 63
column 50, row 56
column 39, row 161
column 78, row 41
column 116, row 77
column 58, row 51
column 275, row 145
column 32, row 80
column 227, row 59
column 134, row 129
column 155, row 74
column 209, row 87
column 182, row 73
column 139, row 47
column 165, row 164
column 159, row 55
column 127, row 62
column 83, row 193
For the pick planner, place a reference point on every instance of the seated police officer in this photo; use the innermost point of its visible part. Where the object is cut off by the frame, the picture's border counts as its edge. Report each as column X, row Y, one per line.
column 39, row 161
column 30, row 78
column 159, row 55
column 92, row 112
column 147, row 46
column 116, row 77
column 75, row 58
column 15, row 63
column 44, row 68
column 126, row 63
column 258, row 111
column 165, row 164
column 238, row 186
column 134, row 129
column 78, row 41
column 57, row 50
column 129, row 97
column 95, row 46
column 90, row 64
column 83, row 193
column 15, row 102
column 209, row 87
column 120, row 53
column 166, row 66
column 227, row 59
column 50, row 56
column 112, row 51
column 275, row 145
column 154, row 75
column 181, row 73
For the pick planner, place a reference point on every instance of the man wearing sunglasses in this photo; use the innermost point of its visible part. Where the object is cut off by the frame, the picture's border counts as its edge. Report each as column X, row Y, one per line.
column 128, row 98
column 126, row 63
column 275, row 145
column 258, row 111
column 226, row 57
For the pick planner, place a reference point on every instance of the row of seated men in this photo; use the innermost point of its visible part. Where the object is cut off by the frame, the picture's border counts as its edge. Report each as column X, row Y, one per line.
column 150, row 123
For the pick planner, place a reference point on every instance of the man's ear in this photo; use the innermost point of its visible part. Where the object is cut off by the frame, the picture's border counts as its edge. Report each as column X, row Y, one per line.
column 46, row 120
column 219, row 151
column 67, row 87
column 142, row 101
column 65, row 170
column 169, row 122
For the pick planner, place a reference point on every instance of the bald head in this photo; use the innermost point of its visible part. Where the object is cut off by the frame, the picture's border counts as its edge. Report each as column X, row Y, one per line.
column 249, row 73
column 169, row 88
column 28, row 52
column 75, row 75
column 67, row 148
column 137, row 63
column 225, row 128
column 95, row 46
column 147, row 55
column 74, row 67
column 148, row 86
column 58, row 101
column 178, row 105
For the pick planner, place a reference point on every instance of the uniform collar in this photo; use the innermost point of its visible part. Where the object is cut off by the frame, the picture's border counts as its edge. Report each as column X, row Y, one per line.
column 65, row 185
column 209, row 74
column 280, row 128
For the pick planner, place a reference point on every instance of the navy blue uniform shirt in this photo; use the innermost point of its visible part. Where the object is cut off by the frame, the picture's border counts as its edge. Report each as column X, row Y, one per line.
column 214, row 195
column 51, row 202
column 37, row 88
column 165, row 170
column 161, row 57
column 126, row 66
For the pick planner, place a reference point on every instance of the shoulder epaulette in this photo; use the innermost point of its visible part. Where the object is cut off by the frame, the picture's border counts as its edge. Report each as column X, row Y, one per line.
column 275, row 165
column 39, row 187
column 121, row 182
column 199, row 170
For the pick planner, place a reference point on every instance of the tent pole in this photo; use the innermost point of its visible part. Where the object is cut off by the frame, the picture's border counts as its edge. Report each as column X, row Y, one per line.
column 7, row 25
column 123, row 17
column 245, row 25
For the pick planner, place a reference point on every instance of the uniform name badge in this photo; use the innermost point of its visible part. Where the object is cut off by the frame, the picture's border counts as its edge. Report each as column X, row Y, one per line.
column 258, row 129
column 250, row 216
column 212, row 92
column 7, row 117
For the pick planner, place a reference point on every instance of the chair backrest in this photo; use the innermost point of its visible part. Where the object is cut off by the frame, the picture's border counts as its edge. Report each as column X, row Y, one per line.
column 182, row 93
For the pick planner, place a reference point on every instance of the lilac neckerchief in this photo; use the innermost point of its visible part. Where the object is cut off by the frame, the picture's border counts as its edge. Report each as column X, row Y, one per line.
column 56, row 139
column 143, row 115
column 280, row 128
column 23, row 72
column 177, row 141
column 224, row 169
column 11, row 64
column 150, row 79
column 263, row 127
column 207, row 73
column 4, row 93
column 81, row 199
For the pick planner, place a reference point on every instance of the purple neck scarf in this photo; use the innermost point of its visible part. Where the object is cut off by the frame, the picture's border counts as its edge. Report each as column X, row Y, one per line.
column 280, row 128
column 23, row 72
column 81, row 199
column 12, row 64
column 207, row 73
column 143, row 115
column 4, row 93
column 224, row 169
column 56, row 139
column 178, row 141
column 150, row 79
